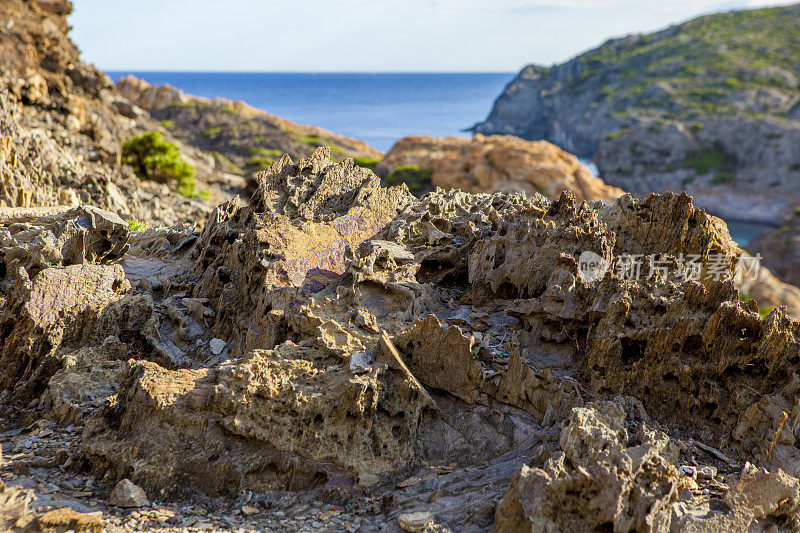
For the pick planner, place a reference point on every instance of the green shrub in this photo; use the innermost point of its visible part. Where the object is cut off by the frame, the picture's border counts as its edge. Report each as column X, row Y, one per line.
column 266, row 152
column 417, row 178
column 153, row 158
column 230, row 110
column 187, row 188
column 704, row 161
column 733, row 83
column 722, row 177
column 211, row 132
column 366, row 162
column 136, row 227
column 696, row 127
column 613, row 135
column 168, row 124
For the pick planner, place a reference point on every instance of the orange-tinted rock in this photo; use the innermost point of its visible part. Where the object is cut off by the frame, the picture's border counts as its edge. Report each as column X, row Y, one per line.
column 498, row 163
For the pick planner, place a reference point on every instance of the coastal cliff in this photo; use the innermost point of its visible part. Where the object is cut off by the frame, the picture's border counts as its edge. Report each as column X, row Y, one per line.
column 240, row 138
column 710, row 106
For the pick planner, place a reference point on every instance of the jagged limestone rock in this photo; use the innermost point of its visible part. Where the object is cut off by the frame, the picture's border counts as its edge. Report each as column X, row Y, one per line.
column 370, row 336
column 603, row 476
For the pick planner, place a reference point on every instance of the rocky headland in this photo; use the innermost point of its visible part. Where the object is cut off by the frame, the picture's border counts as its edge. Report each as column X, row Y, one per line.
column 499, row 163
column 711, row 106
column 241, row 139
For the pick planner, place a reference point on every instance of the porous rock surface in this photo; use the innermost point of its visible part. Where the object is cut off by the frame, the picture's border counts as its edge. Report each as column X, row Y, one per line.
column 386, row 355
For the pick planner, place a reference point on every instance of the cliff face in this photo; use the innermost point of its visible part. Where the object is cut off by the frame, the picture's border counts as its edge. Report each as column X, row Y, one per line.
column 497, row 164
column 62, row 124
column 710, row 106
column 780, row 249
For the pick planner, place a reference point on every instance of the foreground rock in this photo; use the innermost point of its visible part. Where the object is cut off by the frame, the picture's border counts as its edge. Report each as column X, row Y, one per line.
column 127, row 494
column 402, row 361
column 497, row 164
column 612, row 471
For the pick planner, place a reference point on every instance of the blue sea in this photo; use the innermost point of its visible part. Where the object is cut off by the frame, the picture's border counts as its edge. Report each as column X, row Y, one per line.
column 378, row 109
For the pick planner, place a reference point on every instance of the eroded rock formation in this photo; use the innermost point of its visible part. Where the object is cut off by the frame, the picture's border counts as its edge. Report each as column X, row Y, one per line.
column 339, row 339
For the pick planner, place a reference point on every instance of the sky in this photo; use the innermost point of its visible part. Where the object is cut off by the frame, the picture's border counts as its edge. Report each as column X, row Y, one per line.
column 363, row 35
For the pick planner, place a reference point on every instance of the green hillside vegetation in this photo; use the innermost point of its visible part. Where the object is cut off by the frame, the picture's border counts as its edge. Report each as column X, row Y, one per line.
column 711, row 66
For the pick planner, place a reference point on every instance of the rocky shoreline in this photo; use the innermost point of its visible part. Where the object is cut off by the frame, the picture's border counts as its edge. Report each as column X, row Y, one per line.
column 496, row 164
column 309, row 347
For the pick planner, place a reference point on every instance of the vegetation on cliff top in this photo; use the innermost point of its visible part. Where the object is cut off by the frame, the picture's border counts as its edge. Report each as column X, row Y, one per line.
column 741, row 63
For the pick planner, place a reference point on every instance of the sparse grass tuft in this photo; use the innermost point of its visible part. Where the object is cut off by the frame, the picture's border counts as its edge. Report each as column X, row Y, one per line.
column 260, row 161
column 366, row 162
column 417, row 178
column 266, row 152
column 313, row 140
